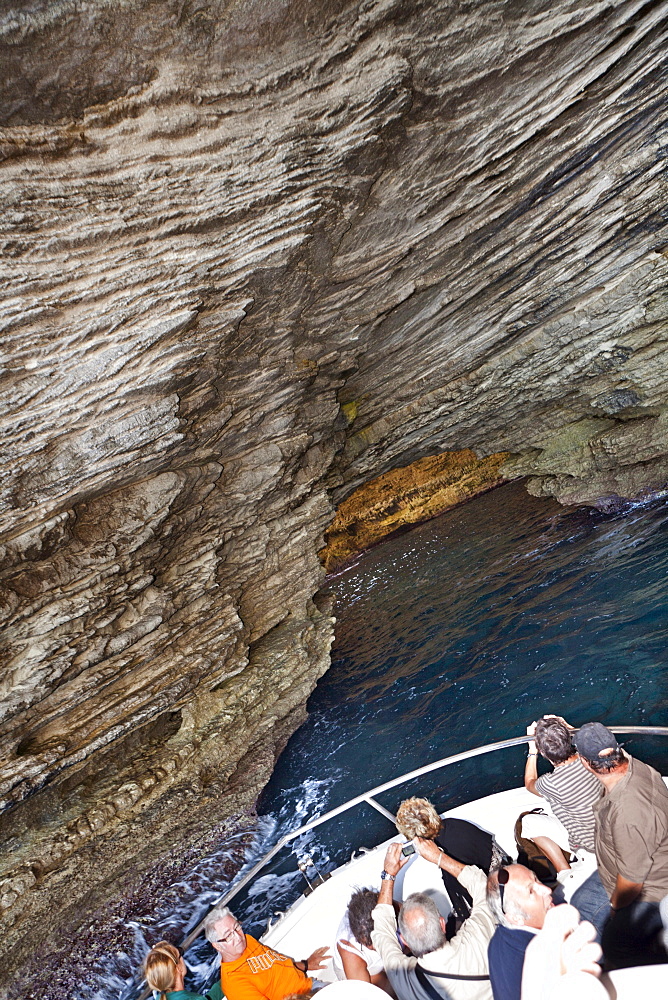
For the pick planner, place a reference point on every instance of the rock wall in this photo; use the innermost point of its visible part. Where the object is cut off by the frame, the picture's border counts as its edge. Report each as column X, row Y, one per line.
column 406, row 496
column 255, row 254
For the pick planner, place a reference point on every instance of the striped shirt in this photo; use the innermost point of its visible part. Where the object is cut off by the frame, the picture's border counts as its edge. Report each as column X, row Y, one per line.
column 572, row 792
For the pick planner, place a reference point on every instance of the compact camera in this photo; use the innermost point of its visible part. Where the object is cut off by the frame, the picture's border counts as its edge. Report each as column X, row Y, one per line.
column 408, row 849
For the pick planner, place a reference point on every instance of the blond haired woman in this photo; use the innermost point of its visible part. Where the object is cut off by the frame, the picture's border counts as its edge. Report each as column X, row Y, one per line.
column 463, row 841
column 164, row 971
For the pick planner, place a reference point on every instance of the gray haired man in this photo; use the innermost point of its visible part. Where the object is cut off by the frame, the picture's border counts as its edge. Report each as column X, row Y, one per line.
column 519, row 902
column 437, row 969
column 250, row 970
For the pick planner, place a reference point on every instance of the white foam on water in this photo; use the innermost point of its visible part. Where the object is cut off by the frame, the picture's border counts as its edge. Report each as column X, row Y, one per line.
column 186, row 901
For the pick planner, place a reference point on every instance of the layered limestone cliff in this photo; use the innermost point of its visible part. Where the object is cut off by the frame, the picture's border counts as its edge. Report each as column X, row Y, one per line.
column 256, row 254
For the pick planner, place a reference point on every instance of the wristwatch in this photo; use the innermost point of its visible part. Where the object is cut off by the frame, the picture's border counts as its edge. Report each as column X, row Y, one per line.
column 385, row 875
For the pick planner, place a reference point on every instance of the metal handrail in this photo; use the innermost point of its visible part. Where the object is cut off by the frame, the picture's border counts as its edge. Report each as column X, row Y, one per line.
column 368, row 797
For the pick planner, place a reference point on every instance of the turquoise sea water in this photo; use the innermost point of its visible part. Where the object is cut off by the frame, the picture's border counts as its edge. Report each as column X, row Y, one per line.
column 455, row 634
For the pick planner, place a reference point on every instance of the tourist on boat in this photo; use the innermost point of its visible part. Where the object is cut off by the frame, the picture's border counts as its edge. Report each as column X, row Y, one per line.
column 250, row 970
column 164, row 971
column 519, row 902
column 572, row 792
column 438, row 968
column 355, row 956
column 631, row 819
column 459, row 839
column 631, row 846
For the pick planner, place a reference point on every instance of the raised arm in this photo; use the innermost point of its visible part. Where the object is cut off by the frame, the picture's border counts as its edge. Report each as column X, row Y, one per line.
column 430, row 851
column 384, row 933
column 394, row 862
column 531, row 766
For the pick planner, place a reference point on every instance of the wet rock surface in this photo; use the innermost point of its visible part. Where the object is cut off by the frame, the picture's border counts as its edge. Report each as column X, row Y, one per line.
column 406, row 496
column 255, row 255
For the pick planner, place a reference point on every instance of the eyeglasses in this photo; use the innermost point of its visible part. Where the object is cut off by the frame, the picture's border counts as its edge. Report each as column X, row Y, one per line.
column 503, row 876
column 236, row 929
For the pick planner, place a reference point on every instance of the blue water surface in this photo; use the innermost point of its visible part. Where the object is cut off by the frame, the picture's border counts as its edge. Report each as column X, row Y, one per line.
column 465, row 629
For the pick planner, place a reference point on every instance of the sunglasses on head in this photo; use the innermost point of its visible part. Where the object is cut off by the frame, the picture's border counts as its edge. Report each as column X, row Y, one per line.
column 503, row 876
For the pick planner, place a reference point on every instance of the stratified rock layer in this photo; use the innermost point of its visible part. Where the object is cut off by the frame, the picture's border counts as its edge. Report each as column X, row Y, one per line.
column 406, row 496
column 254, row 255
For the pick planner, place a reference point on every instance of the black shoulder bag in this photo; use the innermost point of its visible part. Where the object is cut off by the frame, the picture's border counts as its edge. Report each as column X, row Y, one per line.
column 432, row 991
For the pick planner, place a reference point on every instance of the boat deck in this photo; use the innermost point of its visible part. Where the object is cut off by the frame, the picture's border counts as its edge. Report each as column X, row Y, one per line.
column 314, row 919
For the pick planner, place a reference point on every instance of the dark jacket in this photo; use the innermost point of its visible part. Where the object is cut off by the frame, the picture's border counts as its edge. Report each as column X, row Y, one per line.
column 506, row 961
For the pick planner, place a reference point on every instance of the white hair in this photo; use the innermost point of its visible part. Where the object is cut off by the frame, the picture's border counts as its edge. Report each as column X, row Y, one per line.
column 420, row 924
column 511, row 914
column 217, row 914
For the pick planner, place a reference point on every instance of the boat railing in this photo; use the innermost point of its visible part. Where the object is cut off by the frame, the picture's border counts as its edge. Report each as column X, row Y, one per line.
column 369, row 799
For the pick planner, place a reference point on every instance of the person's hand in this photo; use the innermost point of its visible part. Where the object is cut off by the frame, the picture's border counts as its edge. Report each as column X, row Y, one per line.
column 560, row 719
column 318, row 959
column 394, row 859
column 531, row 730
column 428, row 850
column 564, row 946
column 580, row 951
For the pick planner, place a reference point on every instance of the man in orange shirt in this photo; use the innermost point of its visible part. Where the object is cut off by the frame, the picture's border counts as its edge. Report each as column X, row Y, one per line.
column 250, row 970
